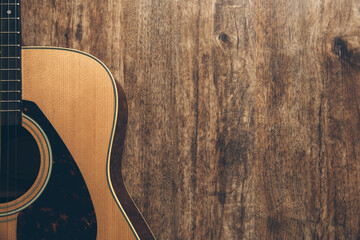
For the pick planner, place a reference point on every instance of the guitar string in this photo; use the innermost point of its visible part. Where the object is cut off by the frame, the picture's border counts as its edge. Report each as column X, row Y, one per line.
column 8, row 113
column 16, row 113
column 8, row 14
column 15, row 119
column 18, row 74
column 1, row 65
column 7, row 106
column 1, row 114
column 7, row 73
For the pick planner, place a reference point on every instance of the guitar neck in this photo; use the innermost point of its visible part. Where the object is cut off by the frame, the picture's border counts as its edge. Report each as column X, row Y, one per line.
column 10, row 62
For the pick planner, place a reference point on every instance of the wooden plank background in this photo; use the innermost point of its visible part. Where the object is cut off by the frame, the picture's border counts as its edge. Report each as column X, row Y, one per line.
column 244, row 118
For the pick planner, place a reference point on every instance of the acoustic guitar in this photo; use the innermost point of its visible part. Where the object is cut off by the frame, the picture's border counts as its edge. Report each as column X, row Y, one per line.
column 60, row 113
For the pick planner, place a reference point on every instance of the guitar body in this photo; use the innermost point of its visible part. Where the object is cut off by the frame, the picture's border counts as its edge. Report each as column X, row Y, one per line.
column 72, row 108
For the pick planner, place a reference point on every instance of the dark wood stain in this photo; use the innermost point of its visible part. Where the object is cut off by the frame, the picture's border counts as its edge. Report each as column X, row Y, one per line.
column 244, row 117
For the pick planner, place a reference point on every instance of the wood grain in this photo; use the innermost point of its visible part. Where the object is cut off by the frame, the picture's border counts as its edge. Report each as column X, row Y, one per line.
column 243, row 115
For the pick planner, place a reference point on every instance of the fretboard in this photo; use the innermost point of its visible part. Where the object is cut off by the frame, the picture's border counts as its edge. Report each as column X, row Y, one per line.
column 10, row 62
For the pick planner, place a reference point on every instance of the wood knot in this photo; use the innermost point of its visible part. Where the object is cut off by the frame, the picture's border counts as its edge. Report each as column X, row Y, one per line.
column 340, row 48
column 347, row 49
column 223, row 38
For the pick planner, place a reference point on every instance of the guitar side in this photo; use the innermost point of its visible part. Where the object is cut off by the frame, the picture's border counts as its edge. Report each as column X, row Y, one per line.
column 79, row 97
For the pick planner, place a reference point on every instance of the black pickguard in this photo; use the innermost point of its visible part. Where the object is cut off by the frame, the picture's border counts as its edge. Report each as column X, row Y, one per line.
column 64, row 210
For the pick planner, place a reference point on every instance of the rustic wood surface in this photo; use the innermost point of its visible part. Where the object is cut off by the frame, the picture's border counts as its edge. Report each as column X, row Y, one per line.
column 244, row 118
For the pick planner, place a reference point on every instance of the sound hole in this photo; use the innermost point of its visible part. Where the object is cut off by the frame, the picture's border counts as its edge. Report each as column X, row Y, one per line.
column 19, row 163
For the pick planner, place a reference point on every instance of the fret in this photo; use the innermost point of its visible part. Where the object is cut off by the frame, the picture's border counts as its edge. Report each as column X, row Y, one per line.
column 9, row 3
